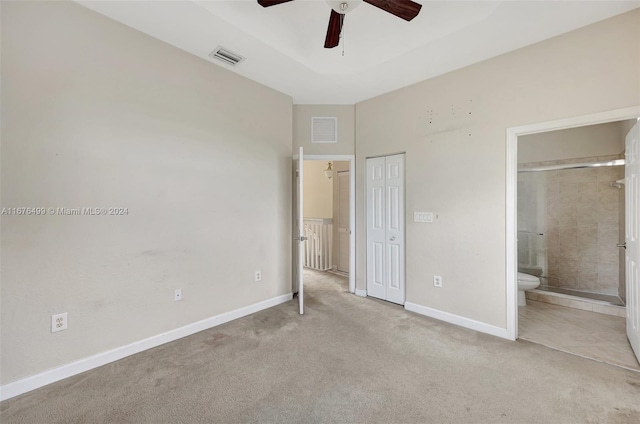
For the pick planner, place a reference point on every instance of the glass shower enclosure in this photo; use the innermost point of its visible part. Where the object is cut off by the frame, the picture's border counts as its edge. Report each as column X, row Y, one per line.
column 570, row 221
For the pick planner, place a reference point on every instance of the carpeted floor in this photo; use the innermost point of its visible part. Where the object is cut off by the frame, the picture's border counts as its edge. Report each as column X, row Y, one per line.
column 348, row 359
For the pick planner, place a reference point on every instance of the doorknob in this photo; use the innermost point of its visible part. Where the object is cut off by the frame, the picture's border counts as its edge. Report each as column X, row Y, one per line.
column 622, row 245
column 392, row 238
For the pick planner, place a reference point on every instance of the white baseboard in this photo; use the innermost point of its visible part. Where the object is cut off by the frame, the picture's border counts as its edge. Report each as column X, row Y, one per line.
column 457, row 320
column 51, row 376
column 360, row 292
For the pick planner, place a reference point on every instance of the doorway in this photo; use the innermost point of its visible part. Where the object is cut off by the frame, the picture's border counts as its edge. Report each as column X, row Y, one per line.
column 583, row 259
column 327, row 188
column 571, row 202
column 326, row 210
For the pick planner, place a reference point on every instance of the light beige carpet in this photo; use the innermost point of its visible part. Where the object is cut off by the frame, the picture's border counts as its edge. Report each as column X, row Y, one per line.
column 348, row 359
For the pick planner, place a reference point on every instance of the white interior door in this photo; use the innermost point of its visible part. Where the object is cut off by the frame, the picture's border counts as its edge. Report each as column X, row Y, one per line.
column 299, row 238
column 394, row 223
column 385, row 228
column 632, row 236
column 375, row 228
column 344, row 231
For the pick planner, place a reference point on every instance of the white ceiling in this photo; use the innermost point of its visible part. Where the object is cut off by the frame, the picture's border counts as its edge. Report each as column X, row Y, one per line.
column 283, row 44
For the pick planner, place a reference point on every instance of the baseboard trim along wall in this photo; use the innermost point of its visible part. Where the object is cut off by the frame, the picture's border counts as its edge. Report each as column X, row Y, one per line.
column 51, row 376
column 457, row 320
column 360, row 292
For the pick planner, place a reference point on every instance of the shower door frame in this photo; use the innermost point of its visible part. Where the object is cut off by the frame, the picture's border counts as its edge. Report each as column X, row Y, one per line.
column 512, row 193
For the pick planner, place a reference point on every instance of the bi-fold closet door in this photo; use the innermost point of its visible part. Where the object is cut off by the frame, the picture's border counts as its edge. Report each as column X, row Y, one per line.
column 385, row 228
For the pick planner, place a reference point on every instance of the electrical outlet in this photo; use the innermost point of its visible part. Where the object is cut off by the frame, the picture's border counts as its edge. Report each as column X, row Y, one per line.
column 258, row 276
column 58, row 322
column 437, row 281
column 177, row 295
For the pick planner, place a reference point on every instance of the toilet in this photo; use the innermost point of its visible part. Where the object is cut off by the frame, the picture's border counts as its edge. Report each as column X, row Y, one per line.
column 526, row 282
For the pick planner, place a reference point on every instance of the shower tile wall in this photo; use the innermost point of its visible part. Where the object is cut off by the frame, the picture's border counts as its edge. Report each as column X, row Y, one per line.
column 582, row 223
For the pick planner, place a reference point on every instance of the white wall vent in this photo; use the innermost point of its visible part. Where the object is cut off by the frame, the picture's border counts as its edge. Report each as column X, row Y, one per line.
column 226, row 56
column 324, row 130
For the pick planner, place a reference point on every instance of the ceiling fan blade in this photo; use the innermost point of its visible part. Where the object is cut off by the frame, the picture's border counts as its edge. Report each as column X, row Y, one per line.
column 405, row 9
column 333, row 31
column 267, row 3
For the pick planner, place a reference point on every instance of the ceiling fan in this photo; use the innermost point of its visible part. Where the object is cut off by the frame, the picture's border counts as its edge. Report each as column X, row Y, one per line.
column 405, row 9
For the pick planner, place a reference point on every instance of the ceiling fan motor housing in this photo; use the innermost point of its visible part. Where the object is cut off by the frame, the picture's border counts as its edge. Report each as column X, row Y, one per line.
column 343, row 6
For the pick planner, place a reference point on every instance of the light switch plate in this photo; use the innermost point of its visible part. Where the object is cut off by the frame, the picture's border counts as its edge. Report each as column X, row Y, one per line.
column 423, row 216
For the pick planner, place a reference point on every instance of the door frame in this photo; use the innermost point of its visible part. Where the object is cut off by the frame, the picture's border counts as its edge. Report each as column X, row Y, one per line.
column 512, row 135
column 352, row 208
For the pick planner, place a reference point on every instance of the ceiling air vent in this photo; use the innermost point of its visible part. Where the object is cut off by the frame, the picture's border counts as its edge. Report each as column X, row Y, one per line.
column 324, row 130
column 228, row 57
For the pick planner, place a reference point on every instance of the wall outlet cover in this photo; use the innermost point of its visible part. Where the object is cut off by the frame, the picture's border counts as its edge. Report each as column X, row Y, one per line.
column 58, row 322
column 437, row 281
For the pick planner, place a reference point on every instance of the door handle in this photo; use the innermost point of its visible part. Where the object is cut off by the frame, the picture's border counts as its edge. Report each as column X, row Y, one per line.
column 622, row 245
column 392, row 238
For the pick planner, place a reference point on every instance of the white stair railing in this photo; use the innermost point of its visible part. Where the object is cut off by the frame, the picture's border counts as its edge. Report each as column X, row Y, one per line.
column 319, row 243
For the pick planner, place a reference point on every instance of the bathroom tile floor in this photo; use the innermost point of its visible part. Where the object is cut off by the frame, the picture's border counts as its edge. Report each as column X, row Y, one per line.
column 588, row 334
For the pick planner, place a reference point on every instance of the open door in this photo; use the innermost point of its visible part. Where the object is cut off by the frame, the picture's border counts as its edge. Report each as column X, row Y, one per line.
column 299, row 237
column 632, row 236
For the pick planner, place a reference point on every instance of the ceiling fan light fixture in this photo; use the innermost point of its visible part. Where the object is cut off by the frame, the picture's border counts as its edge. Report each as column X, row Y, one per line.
column 343, row 6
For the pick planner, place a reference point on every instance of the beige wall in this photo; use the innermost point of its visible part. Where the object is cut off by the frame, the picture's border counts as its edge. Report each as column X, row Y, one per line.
column 302, row 115
column 452, row 129
column 95, row 114
column 625, row 127
column 593, row 140
column 318, row 190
